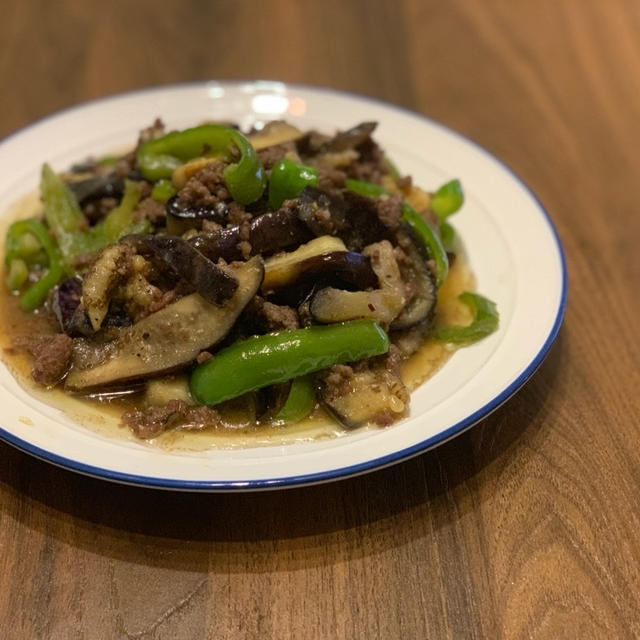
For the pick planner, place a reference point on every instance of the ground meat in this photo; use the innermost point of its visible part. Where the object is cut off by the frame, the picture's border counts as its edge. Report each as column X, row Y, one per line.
column 52, row 356
column 371, row 166
column 164, row 300
column 331, row 178
column 280, row 317
column 152, row 210
column 205, row 188
column 262, row 316
column 204, row 356
column 336, row 380
column 390, row 211
column 270, row 155
column 405, row 182
column 152, row 421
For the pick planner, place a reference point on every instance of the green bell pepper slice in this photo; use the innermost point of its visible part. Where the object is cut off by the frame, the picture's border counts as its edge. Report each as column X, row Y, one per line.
column 245, row 179
column 35, row 295
column 288, row 179
column 163, row 190
column 264, row 360
column 485, row 321
column 299, row 403
column 429, row 238
column 447, row 199
column 69, row 226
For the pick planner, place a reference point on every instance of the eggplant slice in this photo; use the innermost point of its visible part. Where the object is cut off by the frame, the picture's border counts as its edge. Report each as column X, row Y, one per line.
column 170, row 338
column 213, row 283
column 382, row 304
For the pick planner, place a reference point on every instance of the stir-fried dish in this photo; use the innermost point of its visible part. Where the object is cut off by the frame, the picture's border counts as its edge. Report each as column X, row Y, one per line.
column 285, row 270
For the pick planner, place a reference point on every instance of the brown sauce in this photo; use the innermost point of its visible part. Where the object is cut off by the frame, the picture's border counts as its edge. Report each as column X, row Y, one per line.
column 104, row 417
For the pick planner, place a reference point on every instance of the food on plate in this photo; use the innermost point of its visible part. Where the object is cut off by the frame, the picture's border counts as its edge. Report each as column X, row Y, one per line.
column 282, row 271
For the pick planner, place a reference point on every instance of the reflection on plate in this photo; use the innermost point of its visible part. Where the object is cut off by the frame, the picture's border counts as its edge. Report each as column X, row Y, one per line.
column 513, row 249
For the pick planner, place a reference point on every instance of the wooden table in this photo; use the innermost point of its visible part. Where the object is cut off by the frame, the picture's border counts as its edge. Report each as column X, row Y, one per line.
column 528, row 525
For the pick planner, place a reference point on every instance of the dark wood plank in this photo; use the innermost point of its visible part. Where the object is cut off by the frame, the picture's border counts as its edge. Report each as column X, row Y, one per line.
column 527, row 525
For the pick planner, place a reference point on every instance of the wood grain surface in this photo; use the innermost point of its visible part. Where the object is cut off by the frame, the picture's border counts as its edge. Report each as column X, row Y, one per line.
column 527, row 526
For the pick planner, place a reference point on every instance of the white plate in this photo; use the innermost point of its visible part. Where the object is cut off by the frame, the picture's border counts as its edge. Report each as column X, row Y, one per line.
column 513, row 248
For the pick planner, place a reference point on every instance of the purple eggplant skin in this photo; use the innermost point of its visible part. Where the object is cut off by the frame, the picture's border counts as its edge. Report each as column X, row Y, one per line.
column 268, row 233
column 351, row 138
column 66, row 304
column 180, row 220
column 66, row 299
column 101, row 186
column 212, row 282
column 342, row 267
column 350, row 215
column 421, row 307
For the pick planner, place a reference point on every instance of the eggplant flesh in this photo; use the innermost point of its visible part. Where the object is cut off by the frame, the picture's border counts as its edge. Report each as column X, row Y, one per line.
column 422, row 305
column 370, row 397
column 382, row 304
column 212, row 282
column 168, row 339
column 346, row 268
column 351, row 138
column 321, row 257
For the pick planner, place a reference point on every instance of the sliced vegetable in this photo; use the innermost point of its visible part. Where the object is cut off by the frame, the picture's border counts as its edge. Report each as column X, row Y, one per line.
column 275, row 132
column 167, row 339
column 485, row 321
column 120, row 221
column 63, row 215
column 447, row 235
column 447, row 199
column 180, row 220
column 421, row 279
column 69, row 225
column 33, row 297
column 382, row 304
column 427, row 236
column 245, row 178
column 429, row 239
column 365, row 188
column 265, row 360
column 288, row 179
column 212, row 282
column 163, row 190
column 323, row 256
column 299, row 403
column 371, row 396
column 267, row 233
column 352, row 137
column 17, row 274
column 107, row 185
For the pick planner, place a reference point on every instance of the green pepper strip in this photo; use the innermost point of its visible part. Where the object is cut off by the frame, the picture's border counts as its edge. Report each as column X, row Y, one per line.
column 163, row 190
column 33, row 297
column 276, row 357
column 485, row 321
column 70, row 227
column 429, row 238
column 447, row 199
column 447, row 235
column 288, row 179
column 299, row 403
column 119, row 221
column 245, row 179
column 63, row 214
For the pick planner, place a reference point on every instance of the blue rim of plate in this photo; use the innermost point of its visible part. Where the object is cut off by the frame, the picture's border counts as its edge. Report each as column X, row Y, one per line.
column 342, row 472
